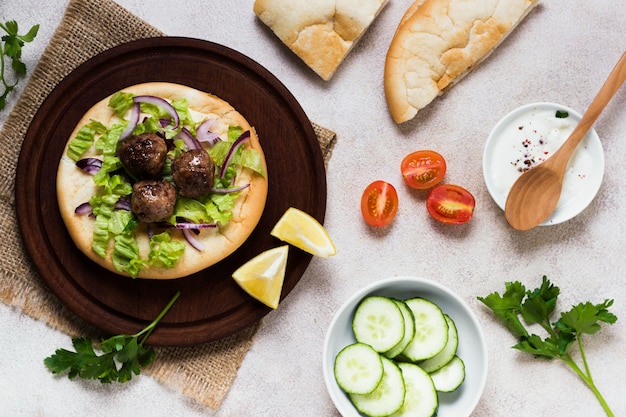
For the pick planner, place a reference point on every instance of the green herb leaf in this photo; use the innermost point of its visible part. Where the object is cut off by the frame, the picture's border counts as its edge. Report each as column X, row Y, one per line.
column 11, row 47
column 537, row 346
column 536, row 307
column 584, row 318
column 30, row 35
column 126, row 350
column 508, row 306
column 10, row 28
column 561, row 114
column 540, row 303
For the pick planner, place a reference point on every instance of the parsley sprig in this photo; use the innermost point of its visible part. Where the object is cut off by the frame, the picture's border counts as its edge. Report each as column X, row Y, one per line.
column 536, row 307
column 11, row 47
column 122, row 355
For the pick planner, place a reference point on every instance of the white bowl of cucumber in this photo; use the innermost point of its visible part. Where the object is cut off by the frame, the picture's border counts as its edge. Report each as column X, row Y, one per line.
column 405, row 346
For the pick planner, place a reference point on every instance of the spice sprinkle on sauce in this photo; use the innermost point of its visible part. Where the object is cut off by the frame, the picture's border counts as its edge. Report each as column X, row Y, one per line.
column 529, row 139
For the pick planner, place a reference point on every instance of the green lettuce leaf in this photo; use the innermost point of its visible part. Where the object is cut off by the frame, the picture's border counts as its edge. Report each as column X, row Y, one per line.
column 190, row 209
column 216, row 208
column 244, row 157
column 165, row 251
column 101, row 235
column 125, row 255
column 220, row 207
column 119, row 220
column 251, row 159
column 84, row 139
column 121, row 102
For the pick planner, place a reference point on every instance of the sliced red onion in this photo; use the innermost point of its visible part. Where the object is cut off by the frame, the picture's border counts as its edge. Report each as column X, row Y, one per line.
column 204, row 134
column 84, row 208
column 133, row 119
column 164, row 104
column 229, row 190
column 190, row 230
column 123, row 204
column 190, row 141
column 183, row 224
column 89, row 165
column 189, row 235
column 245, row 135
column 194, row 226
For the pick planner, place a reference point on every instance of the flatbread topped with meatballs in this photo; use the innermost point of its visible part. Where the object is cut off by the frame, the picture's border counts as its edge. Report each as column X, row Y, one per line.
column 161, row 180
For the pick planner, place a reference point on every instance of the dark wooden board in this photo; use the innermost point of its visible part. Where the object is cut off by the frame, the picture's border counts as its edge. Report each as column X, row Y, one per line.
column 211, row 305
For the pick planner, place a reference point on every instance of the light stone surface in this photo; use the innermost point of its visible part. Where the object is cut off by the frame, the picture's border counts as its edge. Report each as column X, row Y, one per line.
column 561, row 53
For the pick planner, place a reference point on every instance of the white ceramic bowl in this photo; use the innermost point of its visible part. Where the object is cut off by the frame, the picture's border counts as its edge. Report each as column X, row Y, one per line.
column 472, row 347
column 584, row 171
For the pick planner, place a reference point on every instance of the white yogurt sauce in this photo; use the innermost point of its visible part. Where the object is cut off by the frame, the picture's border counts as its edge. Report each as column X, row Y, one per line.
column 529, row 139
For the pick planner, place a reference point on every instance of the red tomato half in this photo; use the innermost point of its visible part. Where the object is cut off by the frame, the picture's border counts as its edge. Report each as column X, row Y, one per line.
column 423, row 169
column 450, row 204
column 379, row 203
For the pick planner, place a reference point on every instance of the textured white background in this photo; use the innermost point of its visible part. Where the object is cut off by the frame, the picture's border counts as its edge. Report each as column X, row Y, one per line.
column 560, row 53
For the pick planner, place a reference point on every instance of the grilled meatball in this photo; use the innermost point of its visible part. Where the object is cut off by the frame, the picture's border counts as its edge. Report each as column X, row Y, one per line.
column 193, row 172
column 153, row 200
column 143, row 155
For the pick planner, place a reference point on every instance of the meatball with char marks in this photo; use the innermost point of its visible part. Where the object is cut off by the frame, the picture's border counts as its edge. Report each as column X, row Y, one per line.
column 143, row 156
column 153, row 200
column 193, row 173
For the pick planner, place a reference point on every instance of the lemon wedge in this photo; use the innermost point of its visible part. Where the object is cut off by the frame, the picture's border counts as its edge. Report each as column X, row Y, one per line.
column 262, row 276
column 303, row 231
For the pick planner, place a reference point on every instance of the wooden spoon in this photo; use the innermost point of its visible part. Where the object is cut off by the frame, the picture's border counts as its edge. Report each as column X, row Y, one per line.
column 535, row 194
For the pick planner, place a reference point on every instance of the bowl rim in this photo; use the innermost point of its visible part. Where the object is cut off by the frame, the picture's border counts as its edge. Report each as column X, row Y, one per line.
column 351, row 303
column 566, row 211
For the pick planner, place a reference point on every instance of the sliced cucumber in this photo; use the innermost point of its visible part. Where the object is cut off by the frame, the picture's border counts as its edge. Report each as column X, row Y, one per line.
column 420, row 399
column 379, row 323
column 358, row 369
column 439, row 360
column 431, row 330
column 387, row 398
column 450, row 377
column 414, row 343
column 409, row 330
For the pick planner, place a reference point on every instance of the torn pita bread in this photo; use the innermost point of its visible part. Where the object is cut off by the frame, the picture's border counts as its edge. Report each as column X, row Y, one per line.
column 438, row 42
column 320, row 32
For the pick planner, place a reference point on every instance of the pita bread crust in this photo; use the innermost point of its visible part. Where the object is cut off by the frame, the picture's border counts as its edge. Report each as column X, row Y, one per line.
column 438, row 42
column 75, row 187
column 320, row 32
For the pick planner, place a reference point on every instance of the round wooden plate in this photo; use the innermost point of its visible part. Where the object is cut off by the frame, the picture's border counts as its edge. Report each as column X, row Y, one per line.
column 211, row 305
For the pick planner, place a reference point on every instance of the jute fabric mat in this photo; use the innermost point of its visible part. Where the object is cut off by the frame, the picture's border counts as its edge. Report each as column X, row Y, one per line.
column 88, row 27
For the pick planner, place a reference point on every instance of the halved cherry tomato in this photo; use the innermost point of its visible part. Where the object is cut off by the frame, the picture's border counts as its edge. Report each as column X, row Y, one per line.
column 423, row 169
column 450, row 204
column 379, row 203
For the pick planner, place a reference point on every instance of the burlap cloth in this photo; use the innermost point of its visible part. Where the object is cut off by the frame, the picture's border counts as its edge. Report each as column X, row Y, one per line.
column 88, row 27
